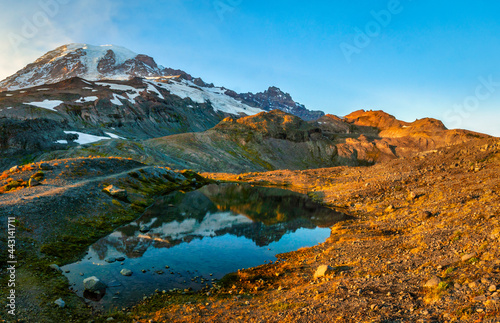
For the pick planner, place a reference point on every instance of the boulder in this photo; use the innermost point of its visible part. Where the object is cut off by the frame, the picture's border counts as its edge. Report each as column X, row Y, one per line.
column 322, row 271
column 55, row 267
column 14, row 169
column 433, row 282
column 45, row 166
column 116, row 192
column 33, row 182
column 468, row 256
column 59, row 302
column 94, row 285
column 426, row 215
column 144, row 228
column 126, row 272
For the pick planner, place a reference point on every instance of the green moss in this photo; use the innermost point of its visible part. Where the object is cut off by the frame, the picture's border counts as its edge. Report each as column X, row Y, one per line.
column 38, row 176
column 115, row 202
column 12, row 185
column 443, row 286
column 255, row 158
column 229, row 279
column 85, row 232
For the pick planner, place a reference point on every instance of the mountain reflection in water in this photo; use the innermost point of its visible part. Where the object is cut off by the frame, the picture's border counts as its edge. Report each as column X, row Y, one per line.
column 214, row 230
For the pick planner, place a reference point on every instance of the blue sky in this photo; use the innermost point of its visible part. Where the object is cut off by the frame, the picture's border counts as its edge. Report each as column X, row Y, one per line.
column 412, row 59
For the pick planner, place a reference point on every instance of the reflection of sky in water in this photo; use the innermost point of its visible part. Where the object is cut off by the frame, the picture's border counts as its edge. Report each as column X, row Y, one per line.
column 193, row 239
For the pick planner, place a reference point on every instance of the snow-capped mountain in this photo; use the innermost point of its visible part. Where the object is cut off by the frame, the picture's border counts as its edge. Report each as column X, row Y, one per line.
column 79, row 94
column 110, row 62
column 89, row 62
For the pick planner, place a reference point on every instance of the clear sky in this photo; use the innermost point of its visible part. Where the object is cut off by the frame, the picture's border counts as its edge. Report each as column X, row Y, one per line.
column 412, row 59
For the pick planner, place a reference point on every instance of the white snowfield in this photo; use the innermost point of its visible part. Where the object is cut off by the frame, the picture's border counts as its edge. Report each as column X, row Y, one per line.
column 46, row 104
column 131, row 92
column 220, row 101
column 116, row 99
column 183, row 89
column 84, row 138
column 87, row 99
column 112, row 135
column 118, row 87
column 93, row 54
column 153, row 89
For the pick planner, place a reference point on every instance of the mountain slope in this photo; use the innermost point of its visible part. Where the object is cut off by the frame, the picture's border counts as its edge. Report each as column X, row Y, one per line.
column 41, row 118
column 277, row 140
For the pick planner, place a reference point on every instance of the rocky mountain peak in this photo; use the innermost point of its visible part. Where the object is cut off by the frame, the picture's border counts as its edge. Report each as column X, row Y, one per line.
column 274, row 98
column 88, row 62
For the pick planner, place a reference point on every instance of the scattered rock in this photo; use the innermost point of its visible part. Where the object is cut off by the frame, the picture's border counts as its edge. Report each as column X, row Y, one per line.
column 120, row 258
column 390, row 208
column 492, row 288
column 144, row 228
column 59, row 302
column 33, row 182
column 468, row 256
column 116, row 192
column 433, row 282
column 56, row 267
column 94, row 285
column 412, row 196
column 480, row 298
column 45, row 166
column 426, row 215
column 110, row 260
column 322, row 271
column 14, row 169
column 126, row 272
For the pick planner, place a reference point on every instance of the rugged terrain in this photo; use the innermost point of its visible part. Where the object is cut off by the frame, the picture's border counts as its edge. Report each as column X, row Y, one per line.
column 278, row 140
column 108, row 92
column 60, row 208
column 97, row 133
column 431, row 214
column 424, row 247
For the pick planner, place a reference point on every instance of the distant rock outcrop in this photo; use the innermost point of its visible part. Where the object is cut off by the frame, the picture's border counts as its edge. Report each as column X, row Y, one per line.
column 273, row 98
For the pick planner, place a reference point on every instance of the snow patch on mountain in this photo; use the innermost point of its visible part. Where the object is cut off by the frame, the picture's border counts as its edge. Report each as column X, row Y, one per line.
column 153, row 89
column 84, row 138
column 87, row 99
column 46, row 104
column 117, row 87
column 116, row 99
column 219, row 101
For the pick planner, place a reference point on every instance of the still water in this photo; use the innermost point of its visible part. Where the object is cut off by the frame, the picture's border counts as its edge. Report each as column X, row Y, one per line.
column 188, row 240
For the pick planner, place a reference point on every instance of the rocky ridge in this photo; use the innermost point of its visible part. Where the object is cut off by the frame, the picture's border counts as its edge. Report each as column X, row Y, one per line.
column 273, row 98
column 277, row 140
